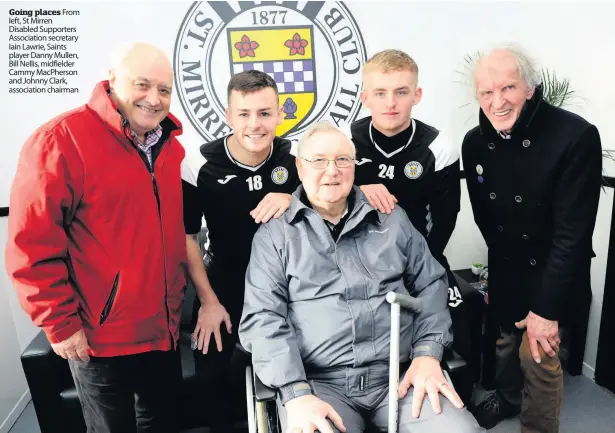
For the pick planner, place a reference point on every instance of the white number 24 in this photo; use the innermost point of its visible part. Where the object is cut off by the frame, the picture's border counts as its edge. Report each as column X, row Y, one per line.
column 386, row 171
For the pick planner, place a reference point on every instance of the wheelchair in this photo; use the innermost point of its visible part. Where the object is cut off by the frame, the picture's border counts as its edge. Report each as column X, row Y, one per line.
column 263, row 416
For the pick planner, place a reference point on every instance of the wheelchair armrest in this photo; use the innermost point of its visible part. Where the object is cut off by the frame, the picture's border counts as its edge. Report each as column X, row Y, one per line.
column 262, row 392
column 452, row 361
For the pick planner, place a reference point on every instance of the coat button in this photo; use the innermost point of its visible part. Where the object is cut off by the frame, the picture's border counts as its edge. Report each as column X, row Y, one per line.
column 525, row 237
column 518, row 199
column 492, row 196
column 533, row 262
column 500, row 228
column 491, row 146
column 526, row 143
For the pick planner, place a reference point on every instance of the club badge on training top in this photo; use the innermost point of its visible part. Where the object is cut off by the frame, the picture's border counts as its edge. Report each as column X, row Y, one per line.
column 413, row 170
column 279, row 175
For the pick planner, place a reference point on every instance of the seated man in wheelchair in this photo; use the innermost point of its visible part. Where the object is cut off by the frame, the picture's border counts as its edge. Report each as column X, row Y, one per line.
column 315, row 316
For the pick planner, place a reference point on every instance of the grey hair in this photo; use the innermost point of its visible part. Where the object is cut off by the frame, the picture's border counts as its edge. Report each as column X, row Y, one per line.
column 526, row 65
column 322, row 126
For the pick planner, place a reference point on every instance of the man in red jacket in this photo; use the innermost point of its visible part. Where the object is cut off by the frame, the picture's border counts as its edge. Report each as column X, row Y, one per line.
column 96, row 245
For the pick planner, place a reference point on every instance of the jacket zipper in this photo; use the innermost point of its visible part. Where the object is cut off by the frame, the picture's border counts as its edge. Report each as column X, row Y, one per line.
column 164, row 253
column 107, row 309
column 150, row 169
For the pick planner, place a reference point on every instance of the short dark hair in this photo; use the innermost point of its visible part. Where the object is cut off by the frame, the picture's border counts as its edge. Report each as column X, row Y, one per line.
column 250, row 81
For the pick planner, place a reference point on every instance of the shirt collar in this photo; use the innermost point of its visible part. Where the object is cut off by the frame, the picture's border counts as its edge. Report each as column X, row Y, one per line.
column 357, row 203
column 151, row 137
column 347, row 206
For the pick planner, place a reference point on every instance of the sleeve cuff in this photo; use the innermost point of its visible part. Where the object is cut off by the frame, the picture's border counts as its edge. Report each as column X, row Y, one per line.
column 428, row 348
column 546, row 307
column 57, row 334
column 294, row 390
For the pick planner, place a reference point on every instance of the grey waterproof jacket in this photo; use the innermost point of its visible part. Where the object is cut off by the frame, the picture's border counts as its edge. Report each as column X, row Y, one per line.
column 312, row 303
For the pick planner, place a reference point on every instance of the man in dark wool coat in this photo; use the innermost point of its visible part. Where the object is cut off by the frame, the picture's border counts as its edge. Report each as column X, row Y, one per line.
column 533, row 173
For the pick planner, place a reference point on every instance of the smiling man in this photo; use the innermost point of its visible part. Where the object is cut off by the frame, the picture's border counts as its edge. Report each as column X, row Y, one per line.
column 533, row 173
column 315, row 316
column 96, row 246
column 403, row 161
column 236, row 183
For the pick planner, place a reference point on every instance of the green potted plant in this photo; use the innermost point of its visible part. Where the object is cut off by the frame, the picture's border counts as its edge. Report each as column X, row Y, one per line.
column 477, row 268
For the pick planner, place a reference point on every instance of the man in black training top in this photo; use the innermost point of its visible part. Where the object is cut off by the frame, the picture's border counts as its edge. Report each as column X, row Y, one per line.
column 405, row 161
column 236, row 183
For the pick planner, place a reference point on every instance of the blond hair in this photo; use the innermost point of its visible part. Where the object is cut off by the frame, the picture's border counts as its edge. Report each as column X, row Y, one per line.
column 391, row 60
column 319, row 127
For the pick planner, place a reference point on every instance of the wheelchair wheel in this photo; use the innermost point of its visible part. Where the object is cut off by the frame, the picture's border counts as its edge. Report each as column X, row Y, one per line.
column 251, row 401
column 262, row 420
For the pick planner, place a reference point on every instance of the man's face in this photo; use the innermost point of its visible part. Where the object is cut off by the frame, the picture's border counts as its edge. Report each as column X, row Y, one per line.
column 500, row 90
column 390, row 97
column 142, row 90
column 330, row 184
column 254, row 117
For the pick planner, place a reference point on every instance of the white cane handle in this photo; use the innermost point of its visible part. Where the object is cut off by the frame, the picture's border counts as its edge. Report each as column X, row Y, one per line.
column 409, row 302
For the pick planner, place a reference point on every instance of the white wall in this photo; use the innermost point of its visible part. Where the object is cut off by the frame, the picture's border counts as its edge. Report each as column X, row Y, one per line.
column 466, row 245
column 598, row 274
column 16, row 331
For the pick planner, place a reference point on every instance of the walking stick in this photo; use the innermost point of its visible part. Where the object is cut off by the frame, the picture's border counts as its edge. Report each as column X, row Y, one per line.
column 397, row 300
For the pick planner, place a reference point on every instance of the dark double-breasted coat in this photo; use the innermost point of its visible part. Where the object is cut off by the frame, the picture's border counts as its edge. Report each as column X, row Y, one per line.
column 534, row 195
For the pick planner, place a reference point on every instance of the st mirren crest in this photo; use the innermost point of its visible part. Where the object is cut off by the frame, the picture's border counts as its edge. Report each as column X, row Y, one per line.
column 314, row 54
column 413, row 170
column 279, row 175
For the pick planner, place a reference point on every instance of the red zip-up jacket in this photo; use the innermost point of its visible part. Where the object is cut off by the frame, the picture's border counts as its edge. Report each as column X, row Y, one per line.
column 95, row 240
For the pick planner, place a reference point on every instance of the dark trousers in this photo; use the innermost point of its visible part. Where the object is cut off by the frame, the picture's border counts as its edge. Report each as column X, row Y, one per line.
column 220, row 373
column 520, row 381
column 462, row 342
column 132, row 393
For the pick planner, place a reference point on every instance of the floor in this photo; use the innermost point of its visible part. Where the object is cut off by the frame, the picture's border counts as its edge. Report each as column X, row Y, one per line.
column 587, row 408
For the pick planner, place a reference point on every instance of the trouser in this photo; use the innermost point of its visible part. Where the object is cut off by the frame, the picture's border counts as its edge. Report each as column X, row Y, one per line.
column 131, row 393
column 215, row 371
column 360, row 396
column 462, row 342
column 537, row 388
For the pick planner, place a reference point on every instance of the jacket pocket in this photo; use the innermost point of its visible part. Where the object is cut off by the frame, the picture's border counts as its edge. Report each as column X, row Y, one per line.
column 109, row 304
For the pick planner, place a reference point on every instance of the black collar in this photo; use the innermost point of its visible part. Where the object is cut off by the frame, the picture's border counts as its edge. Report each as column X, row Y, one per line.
column 528, row 112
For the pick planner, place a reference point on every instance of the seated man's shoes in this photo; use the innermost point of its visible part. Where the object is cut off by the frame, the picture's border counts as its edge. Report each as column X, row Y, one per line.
column 492, row 410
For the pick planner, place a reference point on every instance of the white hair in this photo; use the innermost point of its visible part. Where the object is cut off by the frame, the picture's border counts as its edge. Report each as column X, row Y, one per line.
column 526, row 65
column 322, row 126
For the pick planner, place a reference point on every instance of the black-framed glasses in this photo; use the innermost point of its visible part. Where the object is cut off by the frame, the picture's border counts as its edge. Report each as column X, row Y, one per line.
column 322, row 163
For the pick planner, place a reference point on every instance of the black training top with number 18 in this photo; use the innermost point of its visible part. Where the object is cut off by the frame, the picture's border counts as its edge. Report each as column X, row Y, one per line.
column 224, row 191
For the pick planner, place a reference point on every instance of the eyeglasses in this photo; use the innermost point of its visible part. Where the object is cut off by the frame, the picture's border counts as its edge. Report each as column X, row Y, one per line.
column 322, row 163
